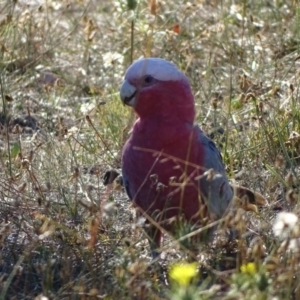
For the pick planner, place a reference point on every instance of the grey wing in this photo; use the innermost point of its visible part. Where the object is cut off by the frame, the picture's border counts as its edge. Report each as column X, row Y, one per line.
column 214, row 185
column 126, row 184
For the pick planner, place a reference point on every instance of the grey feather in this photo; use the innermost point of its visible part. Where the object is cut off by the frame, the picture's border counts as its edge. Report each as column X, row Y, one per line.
column 214, row 185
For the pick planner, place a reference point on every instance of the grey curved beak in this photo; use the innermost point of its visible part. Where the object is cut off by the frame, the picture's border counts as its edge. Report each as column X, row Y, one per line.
column 127, row 93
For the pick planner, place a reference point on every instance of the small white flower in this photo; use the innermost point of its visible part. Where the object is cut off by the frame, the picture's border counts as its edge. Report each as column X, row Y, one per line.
column 87, row 107
column 285, row 225
column 112, row 58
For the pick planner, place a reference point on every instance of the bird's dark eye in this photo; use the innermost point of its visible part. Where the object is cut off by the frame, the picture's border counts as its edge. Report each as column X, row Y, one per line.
column 148, row 79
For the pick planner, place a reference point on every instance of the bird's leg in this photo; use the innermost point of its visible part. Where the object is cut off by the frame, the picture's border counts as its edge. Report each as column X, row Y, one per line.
column 154, row 237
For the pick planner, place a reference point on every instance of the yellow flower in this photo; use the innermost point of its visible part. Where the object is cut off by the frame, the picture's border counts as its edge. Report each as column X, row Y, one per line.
column 183, row 273
column 249, row 268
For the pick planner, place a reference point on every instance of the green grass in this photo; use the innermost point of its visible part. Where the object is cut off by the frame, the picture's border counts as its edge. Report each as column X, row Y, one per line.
column 62, row 233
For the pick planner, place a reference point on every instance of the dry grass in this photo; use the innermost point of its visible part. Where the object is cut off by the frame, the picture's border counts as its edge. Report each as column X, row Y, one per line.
column 63, row 234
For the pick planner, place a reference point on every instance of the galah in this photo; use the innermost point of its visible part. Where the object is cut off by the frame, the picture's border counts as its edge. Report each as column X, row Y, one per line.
column 170, row 168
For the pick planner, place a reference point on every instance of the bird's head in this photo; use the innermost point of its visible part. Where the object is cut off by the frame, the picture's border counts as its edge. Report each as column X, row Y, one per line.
column 156, row 89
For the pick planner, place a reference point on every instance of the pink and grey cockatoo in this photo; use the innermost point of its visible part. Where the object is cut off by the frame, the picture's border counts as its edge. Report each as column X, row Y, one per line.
column 170, row 168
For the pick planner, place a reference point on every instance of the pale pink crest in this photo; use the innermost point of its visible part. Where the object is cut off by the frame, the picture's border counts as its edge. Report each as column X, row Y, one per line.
column 158, row 68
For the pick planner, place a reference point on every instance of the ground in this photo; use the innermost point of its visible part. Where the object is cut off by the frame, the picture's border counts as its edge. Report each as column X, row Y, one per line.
column 63, row 233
